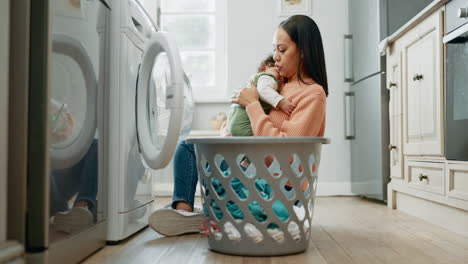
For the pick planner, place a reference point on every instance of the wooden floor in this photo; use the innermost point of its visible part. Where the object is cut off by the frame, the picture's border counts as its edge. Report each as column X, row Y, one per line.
column 344, row 230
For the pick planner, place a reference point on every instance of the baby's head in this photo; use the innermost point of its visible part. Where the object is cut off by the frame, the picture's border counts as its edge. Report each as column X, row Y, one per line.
column 268, row 62
column 268, row 65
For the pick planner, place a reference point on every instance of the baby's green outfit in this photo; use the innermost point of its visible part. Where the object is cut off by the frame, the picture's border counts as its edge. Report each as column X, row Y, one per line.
column 267, row 86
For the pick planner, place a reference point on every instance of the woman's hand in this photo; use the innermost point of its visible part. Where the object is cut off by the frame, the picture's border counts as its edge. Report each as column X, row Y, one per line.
column 286, row 106
column 224, row 131
column 246, row 96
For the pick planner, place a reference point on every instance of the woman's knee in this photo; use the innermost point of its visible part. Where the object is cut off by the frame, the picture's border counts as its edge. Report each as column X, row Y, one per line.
column 184, row 148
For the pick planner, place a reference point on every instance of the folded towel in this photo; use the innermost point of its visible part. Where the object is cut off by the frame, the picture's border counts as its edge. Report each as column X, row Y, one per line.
column 383, row 45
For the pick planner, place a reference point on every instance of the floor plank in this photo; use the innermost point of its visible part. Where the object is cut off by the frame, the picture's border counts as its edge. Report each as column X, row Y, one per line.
column 344, row 230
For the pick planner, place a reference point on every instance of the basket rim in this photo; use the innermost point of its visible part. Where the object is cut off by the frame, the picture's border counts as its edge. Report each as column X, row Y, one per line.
column 257, row 140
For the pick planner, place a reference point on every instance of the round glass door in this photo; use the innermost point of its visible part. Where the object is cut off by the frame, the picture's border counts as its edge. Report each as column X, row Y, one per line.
column 68, row 101
column 72, row 107
column 159, row 100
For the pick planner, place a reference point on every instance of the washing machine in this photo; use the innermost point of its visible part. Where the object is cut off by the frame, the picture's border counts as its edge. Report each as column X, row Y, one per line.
column 67, row 60
column 149, row 108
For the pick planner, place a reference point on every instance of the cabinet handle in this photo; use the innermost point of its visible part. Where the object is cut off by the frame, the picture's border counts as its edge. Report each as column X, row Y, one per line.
column 348, row 58
column 422, row 177
column 350, row 116
column 390, row 147
column 391, row 84
column 462, row 12
column 417, row 77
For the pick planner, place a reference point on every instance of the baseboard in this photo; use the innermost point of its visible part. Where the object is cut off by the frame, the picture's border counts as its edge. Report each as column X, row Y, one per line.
column 371, row 188
column 333, row 188
column 450, row 218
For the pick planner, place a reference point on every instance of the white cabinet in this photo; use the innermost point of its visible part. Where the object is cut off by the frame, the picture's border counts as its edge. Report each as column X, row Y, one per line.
column 422, row 88
column 423, row 182
column 394, row 86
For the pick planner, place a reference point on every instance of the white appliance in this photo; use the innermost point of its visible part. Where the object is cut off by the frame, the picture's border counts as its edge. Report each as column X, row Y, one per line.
column 366, row 104
column 456, row 88
column 64, row 61
column 145, row 113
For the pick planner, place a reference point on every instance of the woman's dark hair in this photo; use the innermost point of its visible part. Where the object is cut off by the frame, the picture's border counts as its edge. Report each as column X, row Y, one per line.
column 267, row 62
column 306, row 34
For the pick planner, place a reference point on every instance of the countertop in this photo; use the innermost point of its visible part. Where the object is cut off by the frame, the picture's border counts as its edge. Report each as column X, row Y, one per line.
column 427, row 11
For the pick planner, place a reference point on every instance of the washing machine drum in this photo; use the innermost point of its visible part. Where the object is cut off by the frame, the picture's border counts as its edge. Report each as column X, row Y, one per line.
column 72, row 107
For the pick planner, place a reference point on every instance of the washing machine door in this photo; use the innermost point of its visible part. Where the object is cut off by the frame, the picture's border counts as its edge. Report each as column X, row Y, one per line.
column 73, row 102
column 159, row 100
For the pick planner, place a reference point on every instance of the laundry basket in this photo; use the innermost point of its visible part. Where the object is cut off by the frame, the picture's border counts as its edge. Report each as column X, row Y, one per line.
column 258, row 192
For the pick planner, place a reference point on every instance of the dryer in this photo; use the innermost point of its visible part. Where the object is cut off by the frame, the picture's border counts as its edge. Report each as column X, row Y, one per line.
column 145, row 114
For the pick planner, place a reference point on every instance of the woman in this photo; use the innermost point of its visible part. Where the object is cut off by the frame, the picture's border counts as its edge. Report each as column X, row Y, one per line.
column 299, row 56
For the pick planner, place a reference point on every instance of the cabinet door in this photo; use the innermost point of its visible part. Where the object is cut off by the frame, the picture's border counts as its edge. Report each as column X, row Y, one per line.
column 412, row 103
column 395, row 114
column 430, row 108
column 423, row 91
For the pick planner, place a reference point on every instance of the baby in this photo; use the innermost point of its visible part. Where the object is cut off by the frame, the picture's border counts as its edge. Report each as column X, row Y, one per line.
column 61, row 122
column 267, row 81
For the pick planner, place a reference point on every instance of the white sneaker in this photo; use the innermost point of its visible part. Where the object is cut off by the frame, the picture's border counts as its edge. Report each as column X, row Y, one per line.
column 73, row 221
column 170, row 222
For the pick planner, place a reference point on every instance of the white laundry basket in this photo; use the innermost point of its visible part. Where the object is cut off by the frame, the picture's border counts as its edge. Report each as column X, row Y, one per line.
column 270, row 208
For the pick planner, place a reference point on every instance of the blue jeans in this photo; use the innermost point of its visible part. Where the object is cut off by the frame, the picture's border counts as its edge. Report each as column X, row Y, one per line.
column 186, row 174
column 81, row 179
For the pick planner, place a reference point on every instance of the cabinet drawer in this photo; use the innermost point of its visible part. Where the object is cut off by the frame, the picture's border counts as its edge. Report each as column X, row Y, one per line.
column 426, row 176
column 457, row 181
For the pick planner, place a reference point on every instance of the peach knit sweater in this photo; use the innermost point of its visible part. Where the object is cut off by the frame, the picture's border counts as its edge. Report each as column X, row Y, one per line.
column 307, row 119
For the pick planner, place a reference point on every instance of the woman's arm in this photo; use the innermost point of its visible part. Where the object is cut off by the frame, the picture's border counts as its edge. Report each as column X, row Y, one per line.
column 306, row 119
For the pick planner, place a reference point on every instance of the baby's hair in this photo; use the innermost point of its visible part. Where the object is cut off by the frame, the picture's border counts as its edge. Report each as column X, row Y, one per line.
column 267, row 62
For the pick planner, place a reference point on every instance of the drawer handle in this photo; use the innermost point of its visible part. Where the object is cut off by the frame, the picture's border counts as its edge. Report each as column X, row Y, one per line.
column 391, row 84
column 390, row 147
column 417, row 77
column 422, row 177
column 462, row 12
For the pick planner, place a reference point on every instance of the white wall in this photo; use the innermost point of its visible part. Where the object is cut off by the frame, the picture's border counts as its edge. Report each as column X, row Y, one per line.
column 251, row 25
column 335, row 168
column 4, row 43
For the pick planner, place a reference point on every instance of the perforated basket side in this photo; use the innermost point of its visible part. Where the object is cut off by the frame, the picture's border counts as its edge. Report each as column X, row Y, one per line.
column 288, row 158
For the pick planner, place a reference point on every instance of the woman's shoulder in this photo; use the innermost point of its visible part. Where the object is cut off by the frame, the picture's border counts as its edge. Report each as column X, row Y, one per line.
column 314, row 90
